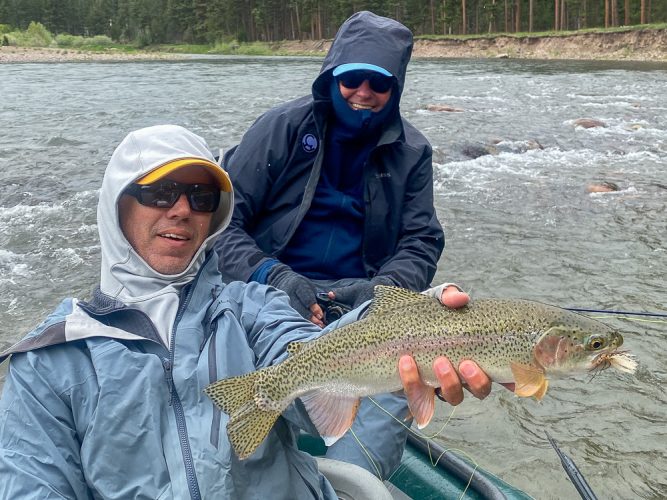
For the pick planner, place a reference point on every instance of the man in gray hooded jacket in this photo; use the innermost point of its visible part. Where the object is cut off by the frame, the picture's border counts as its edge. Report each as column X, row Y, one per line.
column 105, row 398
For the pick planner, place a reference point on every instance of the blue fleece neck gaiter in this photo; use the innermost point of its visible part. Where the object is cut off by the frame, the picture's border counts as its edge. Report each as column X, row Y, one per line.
column 361, row 121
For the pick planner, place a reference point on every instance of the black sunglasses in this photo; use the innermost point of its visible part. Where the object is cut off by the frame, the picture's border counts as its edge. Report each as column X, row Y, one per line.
column 165, row 194
column 378, row 82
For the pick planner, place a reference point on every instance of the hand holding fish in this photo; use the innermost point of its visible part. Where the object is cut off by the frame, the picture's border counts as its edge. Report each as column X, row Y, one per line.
column 451, row 386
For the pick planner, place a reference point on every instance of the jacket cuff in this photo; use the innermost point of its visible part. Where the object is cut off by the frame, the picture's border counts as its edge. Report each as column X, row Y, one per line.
column 436, row 291
column 261, row 274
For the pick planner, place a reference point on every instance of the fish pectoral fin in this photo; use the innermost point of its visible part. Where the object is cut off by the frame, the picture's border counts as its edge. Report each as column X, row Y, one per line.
column 332, row 414
column 542, row 391
column 529, row 381
column 422, row 405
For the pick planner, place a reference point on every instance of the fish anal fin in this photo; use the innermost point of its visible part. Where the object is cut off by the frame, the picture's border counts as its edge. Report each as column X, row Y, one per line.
column 529, row 380
column 389, row 298
column 422, row 405
column 332, row 414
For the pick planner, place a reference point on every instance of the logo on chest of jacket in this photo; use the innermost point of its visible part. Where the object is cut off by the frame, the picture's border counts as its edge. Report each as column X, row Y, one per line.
column 309, row 143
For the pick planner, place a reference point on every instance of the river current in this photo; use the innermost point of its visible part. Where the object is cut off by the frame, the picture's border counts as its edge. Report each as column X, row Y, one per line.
column 511, row 171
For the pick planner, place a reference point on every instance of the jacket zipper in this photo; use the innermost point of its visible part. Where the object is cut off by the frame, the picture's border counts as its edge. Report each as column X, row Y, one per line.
column 175, row 403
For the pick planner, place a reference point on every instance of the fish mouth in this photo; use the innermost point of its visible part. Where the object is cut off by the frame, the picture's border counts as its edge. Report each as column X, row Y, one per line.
column 619, row 359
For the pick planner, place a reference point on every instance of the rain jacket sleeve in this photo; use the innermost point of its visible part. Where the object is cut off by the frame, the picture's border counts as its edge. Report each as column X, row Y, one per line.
column 270, row 328
column 39, row 447
column 256, row 165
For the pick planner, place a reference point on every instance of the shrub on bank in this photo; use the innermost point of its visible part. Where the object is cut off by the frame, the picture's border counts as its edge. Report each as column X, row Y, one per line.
column 99, row 41
column 65, row 40
column 37, row 35
column 244, row 49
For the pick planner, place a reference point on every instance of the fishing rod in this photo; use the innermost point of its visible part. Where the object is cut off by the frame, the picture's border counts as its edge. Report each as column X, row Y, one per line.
column 623, row 313
column 573, row 472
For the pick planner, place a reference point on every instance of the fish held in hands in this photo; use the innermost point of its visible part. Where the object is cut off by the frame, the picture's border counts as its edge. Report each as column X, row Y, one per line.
column 513, row 341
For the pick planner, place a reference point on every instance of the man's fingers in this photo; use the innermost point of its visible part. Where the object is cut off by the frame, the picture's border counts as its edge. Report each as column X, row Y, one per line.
column 477, row 382
column 454, row 298
column 317, row 315
column 451, row 389
column 407, row 369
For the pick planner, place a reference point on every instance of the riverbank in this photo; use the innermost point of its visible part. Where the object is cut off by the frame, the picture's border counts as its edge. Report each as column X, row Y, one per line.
column 631, row 45
column 49, row 55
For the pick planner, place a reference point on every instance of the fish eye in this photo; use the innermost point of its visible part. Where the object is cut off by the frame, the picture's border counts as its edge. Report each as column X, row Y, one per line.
column 596, row 342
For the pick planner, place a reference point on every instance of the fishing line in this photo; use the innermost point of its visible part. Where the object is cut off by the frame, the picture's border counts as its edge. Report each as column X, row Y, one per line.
column 367, row 453
column 418, row 434
column 642, row 320
column 622, row 313
column 427, row 439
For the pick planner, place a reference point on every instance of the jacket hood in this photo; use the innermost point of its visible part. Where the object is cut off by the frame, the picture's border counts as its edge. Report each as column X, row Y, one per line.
column 124, row 274
column 368, row 38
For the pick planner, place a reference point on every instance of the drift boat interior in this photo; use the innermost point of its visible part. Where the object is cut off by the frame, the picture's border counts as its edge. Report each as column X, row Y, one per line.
column 416, row 478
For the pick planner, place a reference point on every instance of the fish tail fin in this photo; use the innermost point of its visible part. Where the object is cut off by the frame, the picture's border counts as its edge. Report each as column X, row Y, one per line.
column 248, row 428
column 232, row 394
column 248, row 423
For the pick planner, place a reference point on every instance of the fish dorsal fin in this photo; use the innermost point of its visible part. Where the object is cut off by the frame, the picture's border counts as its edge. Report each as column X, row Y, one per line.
column 389, row 298
column 294, row 347
column 529, row 381
column 332, row 414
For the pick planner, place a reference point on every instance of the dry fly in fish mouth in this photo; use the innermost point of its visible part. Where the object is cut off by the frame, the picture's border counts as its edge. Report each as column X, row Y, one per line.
column 513, row 341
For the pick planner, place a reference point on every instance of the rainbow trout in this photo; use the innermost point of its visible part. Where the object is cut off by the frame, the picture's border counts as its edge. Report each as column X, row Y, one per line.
column 511, row 340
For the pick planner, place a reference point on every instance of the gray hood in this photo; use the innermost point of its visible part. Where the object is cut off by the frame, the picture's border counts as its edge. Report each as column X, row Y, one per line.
column 125, row 276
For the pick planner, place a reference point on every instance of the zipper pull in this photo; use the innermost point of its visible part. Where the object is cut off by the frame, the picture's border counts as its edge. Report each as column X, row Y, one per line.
column 166, row 365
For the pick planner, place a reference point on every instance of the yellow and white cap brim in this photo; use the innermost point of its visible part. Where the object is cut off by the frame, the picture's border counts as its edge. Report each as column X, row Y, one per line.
column 221, row 177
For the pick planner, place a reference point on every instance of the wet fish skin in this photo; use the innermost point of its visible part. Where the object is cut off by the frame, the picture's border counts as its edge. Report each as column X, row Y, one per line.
column 511, row 340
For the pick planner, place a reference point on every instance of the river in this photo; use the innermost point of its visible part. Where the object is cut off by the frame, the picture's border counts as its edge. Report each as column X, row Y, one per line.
column 518, row 222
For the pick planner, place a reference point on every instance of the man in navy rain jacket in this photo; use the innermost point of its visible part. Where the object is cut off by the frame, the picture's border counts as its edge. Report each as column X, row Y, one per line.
column 334, row 194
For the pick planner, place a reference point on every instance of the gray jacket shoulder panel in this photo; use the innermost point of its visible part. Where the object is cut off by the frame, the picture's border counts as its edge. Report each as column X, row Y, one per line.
column 53, row 334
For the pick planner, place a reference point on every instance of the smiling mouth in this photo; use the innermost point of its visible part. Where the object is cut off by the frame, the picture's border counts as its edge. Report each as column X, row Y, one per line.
column 172, row 236
column 360, row 106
